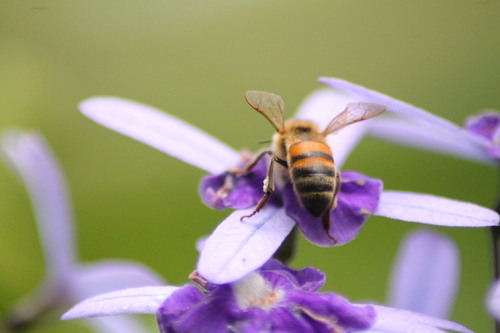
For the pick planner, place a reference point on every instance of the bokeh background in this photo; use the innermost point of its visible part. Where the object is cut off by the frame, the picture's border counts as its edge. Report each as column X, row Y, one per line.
column 195, row 59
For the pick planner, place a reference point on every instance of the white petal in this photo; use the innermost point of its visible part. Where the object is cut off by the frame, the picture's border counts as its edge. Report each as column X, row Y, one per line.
column 392, row 104
column 117, row 325
column 425, row 276
column 161, row 131
column 134, row 300
column 420, row 135
column 110, row 275
column 493, row 300
column 429, row 209
column 321, row 107
column 392, row 320
column 237, row 248
column 434, row 123
column 32, row 159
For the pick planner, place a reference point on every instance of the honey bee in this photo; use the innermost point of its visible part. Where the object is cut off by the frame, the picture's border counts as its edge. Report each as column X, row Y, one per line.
column 301, row 149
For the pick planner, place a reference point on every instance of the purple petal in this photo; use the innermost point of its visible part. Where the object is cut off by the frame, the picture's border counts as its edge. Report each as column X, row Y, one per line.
column 32, row 158
column 161, row 131
column 227, row 190
column 430, row 209
column 307, row 279
column 420, row 135
column 357, row 200
column 236, row 247
column 392, row 320
column 333, row 310
column 280, row 319
column 188, row 310
column 493, row 300
column 485, row 124
column 321, row 107
column 425, row 275
column 134, row 300
column 110, row 275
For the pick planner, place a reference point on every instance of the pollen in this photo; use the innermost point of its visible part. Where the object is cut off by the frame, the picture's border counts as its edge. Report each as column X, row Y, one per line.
column 254, row 291
column 226, row 188
column 360, row 182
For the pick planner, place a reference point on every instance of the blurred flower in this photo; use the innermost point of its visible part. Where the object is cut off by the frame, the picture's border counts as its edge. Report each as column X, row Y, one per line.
column 274, row 298
column 66, row 280
column 408, row 125
column 238, row 247
column 493, row 300
column 425, row 276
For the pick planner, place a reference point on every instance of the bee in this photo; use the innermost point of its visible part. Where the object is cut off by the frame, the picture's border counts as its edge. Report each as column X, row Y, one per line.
column 300, row 148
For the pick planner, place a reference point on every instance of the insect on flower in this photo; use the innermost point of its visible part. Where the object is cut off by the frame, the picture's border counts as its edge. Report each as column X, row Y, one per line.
column 301, row 150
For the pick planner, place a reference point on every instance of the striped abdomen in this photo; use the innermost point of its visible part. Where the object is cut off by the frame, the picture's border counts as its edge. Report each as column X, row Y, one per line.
column 314, row 176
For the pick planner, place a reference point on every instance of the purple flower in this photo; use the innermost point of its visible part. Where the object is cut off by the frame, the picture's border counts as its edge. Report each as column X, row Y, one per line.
column 66, row 280
column 425, row 274
column 238, row 247
column 274, row 298
column 479, row 140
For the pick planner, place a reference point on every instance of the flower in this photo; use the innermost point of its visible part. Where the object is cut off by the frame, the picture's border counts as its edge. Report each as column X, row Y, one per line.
column 274, row 298
column 425, row 274
column 238, row 246
column 66, row 280
column 479, row 140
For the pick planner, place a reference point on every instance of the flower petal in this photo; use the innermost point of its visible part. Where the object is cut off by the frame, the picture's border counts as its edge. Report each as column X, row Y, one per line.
column 161, row 131
column 110, row 275
column 357, row 200
column 236, row 247
column 321, row 107
column 493, row 300
column 134, row 300
column 430, row 209
column 425, row 275
column 228, row 190
column 392, row 104
column 420, row 135
column 188, row 309
column 431, row 122
column 392, row 320
column 31, row 158
column 333, row 310
column 117, row 325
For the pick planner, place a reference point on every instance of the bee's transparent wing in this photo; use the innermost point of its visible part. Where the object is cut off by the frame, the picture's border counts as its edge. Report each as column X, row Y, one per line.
column 353, row 113
column 269, row 105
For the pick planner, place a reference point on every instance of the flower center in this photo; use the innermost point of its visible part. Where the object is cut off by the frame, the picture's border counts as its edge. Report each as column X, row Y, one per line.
column 254, row 291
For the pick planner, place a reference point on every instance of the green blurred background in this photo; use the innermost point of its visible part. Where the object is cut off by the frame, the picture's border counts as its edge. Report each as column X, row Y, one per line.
column 195, row 59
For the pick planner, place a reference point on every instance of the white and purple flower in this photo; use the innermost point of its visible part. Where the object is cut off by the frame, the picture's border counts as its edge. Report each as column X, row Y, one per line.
column 478, row 140
column 66, row 281
column 274, row 298
column 238, row 247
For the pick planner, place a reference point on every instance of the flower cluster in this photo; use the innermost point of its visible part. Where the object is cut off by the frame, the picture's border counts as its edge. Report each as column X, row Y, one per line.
column 237, row 286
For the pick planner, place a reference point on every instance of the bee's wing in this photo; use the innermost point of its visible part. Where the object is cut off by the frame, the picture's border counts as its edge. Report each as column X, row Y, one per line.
column 353, row 113
column 269, row 105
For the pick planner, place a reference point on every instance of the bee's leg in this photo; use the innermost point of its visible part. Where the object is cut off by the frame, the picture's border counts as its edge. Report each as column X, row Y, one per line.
column 253, row 164
column 268, row 189
column 325, row 219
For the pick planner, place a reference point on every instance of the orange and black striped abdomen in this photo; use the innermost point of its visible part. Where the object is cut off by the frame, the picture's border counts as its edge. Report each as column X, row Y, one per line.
column 313, row 175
